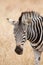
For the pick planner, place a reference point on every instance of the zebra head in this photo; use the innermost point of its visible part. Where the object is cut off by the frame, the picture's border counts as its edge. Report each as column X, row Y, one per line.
column 20, row 33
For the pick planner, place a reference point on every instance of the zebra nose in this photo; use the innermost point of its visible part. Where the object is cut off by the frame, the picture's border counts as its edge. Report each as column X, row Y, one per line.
column 19, row 50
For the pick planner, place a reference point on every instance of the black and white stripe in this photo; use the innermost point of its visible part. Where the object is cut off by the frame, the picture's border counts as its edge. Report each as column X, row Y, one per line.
column 34, row 32
column 29, row 27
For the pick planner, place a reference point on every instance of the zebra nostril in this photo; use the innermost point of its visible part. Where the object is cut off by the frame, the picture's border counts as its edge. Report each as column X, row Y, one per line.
column 19, row 50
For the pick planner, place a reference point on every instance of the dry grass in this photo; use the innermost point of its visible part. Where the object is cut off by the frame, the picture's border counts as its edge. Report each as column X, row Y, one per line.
column 12, row 9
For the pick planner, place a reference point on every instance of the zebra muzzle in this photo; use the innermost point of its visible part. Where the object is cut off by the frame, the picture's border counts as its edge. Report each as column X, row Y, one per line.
column 19, row 50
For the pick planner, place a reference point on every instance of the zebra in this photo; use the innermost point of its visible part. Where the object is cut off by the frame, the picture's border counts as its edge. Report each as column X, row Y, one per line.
column 29, row 27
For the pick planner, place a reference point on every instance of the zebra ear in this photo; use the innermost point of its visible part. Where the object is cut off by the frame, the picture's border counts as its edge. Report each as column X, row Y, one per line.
column 11, row 21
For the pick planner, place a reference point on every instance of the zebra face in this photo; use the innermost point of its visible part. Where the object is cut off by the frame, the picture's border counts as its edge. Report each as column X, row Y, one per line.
column 20, row 30
column 20, row 36
column 20, row 33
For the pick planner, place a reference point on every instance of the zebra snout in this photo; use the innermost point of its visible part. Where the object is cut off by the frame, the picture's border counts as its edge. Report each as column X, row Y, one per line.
column 19, row 50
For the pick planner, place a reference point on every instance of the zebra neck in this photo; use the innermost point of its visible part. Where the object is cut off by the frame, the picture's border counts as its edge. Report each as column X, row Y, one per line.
column 35, row 32
column 29, row 29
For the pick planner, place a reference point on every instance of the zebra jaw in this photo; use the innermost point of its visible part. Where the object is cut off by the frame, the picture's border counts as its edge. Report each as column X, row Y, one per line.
column 11, row 21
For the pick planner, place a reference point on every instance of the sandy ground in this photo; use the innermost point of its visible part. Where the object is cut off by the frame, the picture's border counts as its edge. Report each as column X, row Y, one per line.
column 13, row 9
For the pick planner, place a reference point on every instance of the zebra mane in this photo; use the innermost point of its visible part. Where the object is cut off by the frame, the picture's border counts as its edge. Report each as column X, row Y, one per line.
column 28, row 12
column 20, row 18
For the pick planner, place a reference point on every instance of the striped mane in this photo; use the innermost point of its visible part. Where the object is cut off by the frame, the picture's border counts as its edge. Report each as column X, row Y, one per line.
column 29, row 14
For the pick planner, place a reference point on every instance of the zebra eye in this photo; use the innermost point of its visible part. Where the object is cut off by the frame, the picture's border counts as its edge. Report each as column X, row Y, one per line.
column 29, row 21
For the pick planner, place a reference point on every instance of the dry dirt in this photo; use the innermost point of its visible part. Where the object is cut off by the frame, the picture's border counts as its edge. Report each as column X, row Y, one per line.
column 13, row 9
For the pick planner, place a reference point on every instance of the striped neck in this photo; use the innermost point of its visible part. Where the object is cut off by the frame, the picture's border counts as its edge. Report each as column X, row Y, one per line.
column 34, row 31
